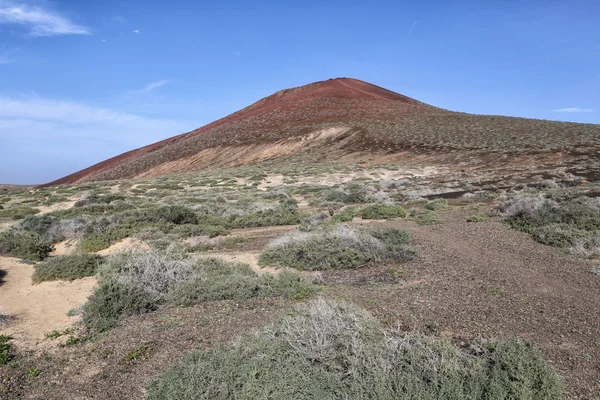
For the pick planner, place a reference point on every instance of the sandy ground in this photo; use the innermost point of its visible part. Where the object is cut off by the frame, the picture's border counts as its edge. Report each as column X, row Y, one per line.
column 64, row 248
column 37, row 309
column 245, row 257
column 56, row 207
column 124, row 245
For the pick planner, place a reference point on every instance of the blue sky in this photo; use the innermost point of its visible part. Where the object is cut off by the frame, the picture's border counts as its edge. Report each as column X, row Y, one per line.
column 81, row 81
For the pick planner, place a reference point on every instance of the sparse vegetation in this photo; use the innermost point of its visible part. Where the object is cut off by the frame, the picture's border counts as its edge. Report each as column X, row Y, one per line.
column 332, row 350
column 67, row 267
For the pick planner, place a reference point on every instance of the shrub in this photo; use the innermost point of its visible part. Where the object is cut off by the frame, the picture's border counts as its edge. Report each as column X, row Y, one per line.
column 345, row 215
column 424, row 217
column 380, row 211
column 311, row 223
column 138, row 282
column 53, row 229
column 25, row 245
column 477, row 218
column 175, row 214
column 560, row 224
column 18, row 212
column 435, row 205
column 336, row 351
column 111, row 300
column 68, row 267
column 339, row 247
column 5, row 350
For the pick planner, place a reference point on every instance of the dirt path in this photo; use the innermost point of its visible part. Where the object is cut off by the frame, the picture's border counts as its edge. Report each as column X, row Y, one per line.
column 37, row 309
column 485, row 280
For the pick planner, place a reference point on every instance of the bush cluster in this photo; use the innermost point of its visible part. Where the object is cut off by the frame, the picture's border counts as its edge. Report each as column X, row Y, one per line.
column 25, row 245
column 139, row 282
column 573, row 223
column 336, row 247
column 336, row 351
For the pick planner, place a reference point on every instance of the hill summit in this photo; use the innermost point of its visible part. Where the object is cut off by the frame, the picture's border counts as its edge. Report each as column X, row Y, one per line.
column 351, row 121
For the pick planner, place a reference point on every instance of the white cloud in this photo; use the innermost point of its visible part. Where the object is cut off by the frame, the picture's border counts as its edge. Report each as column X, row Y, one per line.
column 40, row 22
column 574, row 110
column 136, row 31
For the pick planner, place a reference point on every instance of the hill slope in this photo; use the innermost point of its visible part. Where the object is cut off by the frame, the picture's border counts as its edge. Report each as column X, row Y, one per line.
column 351, row 121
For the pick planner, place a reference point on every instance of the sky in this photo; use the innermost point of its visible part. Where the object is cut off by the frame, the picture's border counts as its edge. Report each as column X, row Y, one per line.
column 82, row 81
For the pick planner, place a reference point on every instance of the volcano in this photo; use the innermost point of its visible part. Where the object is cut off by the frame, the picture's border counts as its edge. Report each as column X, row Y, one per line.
column 350, row 121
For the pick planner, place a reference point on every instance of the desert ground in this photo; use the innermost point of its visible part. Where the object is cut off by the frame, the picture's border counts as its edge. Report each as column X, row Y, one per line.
column 199, row 261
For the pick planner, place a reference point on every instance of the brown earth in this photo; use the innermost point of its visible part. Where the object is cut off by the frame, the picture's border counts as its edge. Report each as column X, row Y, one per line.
column 470, row 280
column 351, row 121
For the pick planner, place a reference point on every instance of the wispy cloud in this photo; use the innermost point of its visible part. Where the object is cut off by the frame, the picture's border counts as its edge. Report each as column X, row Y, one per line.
column 39, row 21
column 411, row 28
column 574, row 110
column 6, row 60
column 153, row 86
column 43, row 139
column 136, row 31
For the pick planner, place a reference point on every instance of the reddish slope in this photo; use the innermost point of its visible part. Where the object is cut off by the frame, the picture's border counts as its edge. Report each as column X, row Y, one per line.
column 345, row 120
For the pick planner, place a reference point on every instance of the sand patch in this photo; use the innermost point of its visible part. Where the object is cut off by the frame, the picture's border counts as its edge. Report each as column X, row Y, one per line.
column 127, row 244
column 56, row 207
column 38, row 309
column 65, row 247
column 244, row 257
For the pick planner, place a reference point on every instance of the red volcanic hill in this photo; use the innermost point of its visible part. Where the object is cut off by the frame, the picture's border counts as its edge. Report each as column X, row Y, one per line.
column 351, row 121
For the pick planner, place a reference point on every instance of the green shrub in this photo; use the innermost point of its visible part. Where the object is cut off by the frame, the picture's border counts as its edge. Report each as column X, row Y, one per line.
column 380, row 211
column 560, row 224
column 477, row 218
column 424, row 217
column 25, row 245
column 336, row 351
column 435, row 205
column 391, row 236
column 5, row 350
column 111, row 300
column 100, row 241
column 176, row 215
column 68, row 267
column 339, row 247
column 345, row 215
